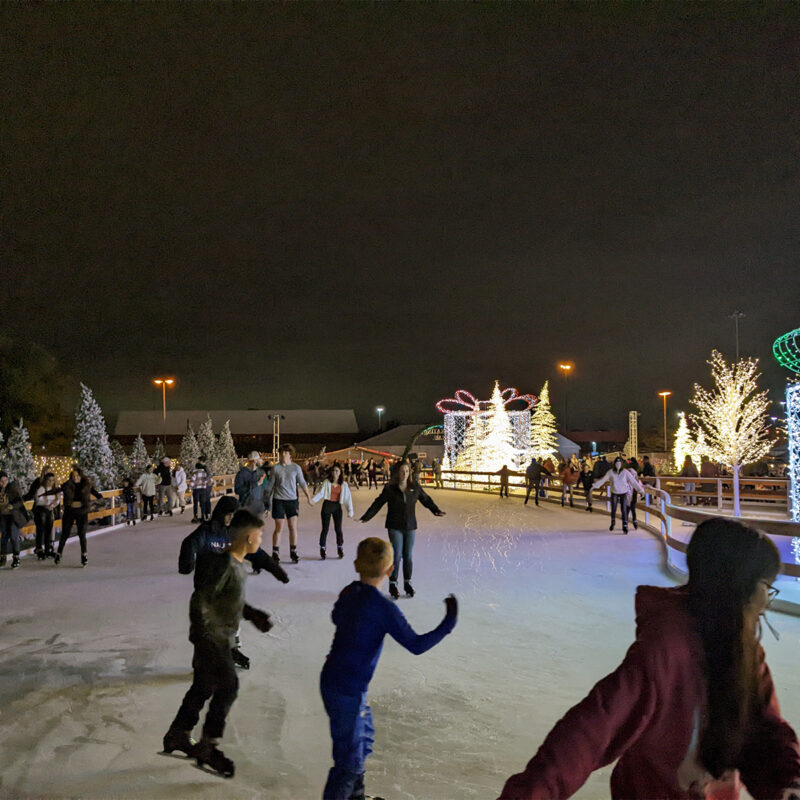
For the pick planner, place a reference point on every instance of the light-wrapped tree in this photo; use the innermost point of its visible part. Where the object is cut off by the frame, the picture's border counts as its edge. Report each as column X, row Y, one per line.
column 497, row 447
column 139, row 458
column 683, row 445
column 733, row 417
column 19, row 458
column 90, row 446
column 544, row 441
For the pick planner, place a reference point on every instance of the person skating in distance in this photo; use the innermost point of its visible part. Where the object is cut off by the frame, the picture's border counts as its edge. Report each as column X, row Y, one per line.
column 622, row 482
column 335, row 496
column 401, row 495
column 363, row 616
column 215, row 611
column 214, row 537
column 691, row 712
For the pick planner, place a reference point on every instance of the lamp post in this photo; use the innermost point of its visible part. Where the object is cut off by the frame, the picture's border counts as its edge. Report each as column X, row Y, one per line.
column 736, row 316
column 379, row 410
column 163, row 383
column 566, row 367
column 664, row 396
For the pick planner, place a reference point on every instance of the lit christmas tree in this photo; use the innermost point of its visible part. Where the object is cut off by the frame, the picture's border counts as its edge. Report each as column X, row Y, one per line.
column 684, row 446
column 226, row 459
column 497, row 447
column 122, row 464
column 207, row 443
column 139, row 458
column 468, row 458
column 19, row 458
column 190, row 450
column 733, row 417
column 544, row 442
column 158, row 452
column 90, row 445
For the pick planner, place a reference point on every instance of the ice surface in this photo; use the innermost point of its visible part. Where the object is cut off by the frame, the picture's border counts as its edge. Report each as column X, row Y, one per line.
column 94, row 662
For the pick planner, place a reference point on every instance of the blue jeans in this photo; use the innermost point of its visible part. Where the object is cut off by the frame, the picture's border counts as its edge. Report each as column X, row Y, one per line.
column 403, row 546
column 130, row 510
column 353, row 734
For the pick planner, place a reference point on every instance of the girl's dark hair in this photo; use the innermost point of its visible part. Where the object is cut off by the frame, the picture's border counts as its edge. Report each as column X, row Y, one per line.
column 341, row 472
column 225, row 505
column 395, row 477
column 726, row 561
column 47, row 475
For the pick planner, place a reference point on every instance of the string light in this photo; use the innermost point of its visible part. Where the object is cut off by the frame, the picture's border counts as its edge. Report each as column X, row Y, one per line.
column 786, row 350
column 793, row 426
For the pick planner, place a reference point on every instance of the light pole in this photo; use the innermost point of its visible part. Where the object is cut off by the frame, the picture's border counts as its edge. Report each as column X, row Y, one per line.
column 276, row 434
column 379, row 410
column 163, row 383
column 664, row 396
column 566, row 367
column 736, row 316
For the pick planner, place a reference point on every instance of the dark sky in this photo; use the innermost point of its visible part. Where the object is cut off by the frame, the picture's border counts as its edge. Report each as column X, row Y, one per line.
column 325, row 205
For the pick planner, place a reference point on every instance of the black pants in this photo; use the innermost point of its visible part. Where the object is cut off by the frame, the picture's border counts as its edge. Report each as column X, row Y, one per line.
column 215, row 678
column 10, row 533
column 43, row 517
column 373, row 479
column 632, row 505
column 533, row 487
column 81, row 521
column 503, row 488
column 147, row 502
column 620, row 500
column 331, row 509
column 587, row 493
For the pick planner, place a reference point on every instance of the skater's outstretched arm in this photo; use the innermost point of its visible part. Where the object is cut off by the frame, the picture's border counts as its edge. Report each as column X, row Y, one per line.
column 262, row 560
column 377, row 503
column 428, row 502
column 418, row 643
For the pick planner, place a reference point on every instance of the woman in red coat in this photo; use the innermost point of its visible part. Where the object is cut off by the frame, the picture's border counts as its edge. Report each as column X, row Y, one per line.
column 691, row 711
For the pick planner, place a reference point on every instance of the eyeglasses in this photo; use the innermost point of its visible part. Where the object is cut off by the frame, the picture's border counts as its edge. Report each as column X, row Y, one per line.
column 772, row 592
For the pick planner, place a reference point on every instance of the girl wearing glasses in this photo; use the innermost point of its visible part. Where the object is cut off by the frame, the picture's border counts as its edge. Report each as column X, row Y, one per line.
column 691, row 712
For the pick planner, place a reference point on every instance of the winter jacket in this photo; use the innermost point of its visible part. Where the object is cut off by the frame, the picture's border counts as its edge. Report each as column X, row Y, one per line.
column 646, row 714
column 600, row 468
column 400, row 515
column 246, row 486
column 147, row 483
column 200, row 478
column 585, row 480
column 179, row 479
column 129, row 494
column 81, row 493
column 648, row 470
column 535, row 471
column 708, row 469
column 345, row 498
column 689, row 471
column 164, row 475
column 621, row 482
column 569, row 475
column 13, row 504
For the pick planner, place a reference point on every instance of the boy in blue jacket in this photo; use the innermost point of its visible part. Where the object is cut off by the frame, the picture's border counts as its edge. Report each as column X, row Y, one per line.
column 363, row 616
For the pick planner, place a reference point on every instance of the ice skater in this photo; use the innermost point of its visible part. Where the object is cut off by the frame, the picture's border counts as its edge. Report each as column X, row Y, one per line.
column 401, row 495
column 282, row 491
column 129, row 498
column 363, row 616
column 692, row 709
column 13, row 517
column 504, row 472
column 46, row 497
column 533, row 479
column 146, row 484
column 622, row 482
column 216, row 609
column 214, row 536
column 585, row 481
column 77, row 493
column 247, row 484
column 335, row 495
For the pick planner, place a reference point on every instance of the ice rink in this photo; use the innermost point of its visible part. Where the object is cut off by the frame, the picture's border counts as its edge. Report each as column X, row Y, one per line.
column 95, row 661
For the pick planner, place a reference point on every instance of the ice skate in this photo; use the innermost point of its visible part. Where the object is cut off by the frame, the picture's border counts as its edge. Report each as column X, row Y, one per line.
column 40, row 556
column 14, row 562
column 239, row 658
column 276, row 555
column 293, row 555
column 635, row 525
column 57, row 558
column 340, row 552
column 207, row 753
column 84, row 559
column 179, row 740
column 393, row 593
column 322, row 553
column 3, row 561
column 611, row 527
column 408, row 588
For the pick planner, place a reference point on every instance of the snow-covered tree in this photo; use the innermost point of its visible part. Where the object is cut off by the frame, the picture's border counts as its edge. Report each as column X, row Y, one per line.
column 190, row 450
column 226, row 461
column 90, row 445
column 498, row 441
column 733, row 416
column 19, row 458
column 207, row 443
column 122, row 464
column 544, row 442
column 139, row 458
column 683, row 445
column 158, row 452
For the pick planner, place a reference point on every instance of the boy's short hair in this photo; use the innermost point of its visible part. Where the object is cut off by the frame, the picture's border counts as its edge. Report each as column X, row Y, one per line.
column 287, row 448
column 373, row 556
column 244, row 520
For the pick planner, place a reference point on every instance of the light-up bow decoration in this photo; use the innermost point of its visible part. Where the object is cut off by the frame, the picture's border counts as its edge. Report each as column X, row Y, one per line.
column 464, row 402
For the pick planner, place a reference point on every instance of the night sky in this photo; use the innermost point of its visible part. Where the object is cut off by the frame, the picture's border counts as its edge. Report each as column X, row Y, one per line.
column 344, row 205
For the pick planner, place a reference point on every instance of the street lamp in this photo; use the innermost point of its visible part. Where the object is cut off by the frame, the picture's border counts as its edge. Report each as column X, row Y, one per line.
column 736, row 316
column 379, row 410
column 664, row 396
column 163, row 383
column 566, row 367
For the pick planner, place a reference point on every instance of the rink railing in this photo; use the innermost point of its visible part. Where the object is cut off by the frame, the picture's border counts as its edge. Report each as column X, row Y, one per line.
column 113, row 506
column 668, row 517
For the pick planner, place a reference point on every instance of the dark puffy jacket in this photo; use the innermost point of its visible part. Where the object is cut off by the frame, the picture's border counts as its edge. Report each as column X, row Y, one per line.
column 400, row 513
column 164, row 473
column 79, row 493
column 17, row 505
column 585, row 479
column 535, row 471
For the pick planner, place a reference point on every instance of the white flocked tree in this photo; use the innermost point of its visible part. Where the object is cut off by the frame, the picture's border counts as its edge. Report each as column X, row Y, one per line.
column 158, row 451
column 19, row 458
column 190, row 450
column 544, row 442
column 226, row 461
column 733, row 417
column 139, row 458
column 122, row 464
column 207, row 443
column 90, row 446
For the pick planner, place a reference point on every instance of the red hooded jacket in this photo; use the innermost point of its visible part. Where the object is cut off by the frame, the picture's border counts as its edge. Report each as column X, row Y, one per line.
column 647, row 713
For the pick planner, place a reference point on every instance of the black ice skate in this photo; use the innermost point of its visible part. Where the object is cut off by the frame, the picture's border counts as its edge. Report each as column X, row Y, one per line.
column 207, row 752
column 409, row 589
column 179, row 740
column 239, row 658
column 322, row 553
column 84, row 559
column 393, row 593
column 276, row 555
column 340, row 551
column 14, row 562
column 293, row 555
column 56, row 558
